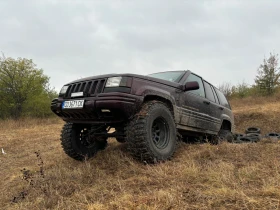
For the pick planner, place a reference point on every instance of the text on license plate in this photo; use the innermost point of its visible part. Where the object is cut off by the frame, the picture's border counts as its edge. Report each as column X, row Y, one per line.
column 73, row 104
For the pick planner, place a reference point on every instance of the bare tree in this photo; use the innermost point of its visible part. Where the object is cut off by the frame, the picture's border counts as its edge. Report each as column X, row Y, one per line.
column 226, row 89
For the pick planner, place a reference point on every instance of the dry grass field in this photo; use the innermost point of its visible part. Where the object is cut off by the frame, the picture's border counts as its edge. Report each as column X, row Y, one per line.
column 36, row 174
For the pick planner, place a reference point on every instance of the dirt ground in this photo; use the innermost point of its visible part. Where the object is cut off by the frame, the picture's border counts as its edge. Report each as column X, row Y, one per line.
column 36, row 174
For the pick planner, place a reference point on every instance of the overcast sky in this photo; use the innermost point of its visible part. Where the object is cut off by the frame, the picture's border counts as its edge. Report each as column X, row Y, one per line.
column 221, row 40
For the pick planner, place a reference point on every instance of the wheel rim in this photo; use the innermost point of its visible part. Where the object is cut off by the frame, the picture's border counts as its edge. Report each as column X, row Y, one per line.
column 85, row 140
column 160, row 133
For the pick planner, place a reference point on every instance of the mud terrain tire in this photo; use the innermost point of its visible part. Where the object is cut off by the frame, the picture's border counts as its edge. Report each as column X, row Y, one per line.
column 225, row 136
column 75, row 145
column 152, row 134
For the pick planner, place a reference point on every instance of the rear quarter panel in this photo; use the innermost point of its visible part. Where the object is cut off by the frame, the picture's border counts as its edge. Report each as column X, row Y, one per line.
column 228, row 115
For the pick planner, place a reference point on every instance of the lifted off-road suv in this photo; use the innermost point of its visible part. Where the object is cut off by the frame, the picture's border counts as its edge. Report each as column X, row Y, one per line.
column 151, row 113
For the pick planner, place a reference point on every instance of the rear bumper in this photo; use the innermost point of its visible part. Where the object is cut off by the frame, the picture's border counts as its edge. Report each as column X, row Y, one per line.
column 104, row 108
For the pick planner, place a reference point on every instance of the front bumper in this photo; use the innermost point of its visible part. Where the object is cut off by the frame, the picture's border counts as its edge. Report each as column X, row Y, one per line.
column 121, row 107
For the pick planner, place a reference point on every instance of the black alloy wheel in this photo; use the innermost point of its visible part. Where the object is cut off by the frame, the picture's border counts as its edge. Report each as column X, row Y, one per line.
column 160, row 133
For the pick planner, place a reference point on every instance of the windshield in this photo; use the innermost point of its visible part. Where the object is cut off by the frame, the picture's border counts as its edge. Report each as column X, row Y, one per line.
column 172, row 76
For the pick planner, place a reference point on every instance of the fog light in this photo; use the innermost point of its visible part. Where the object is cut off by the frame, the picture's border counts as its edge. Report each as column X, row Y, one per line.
column 105, row 110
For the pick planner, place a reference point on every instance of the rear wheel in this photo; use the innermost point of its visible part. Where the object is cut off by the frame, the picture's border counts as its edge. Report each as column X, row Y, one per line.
column 151, row 135
column 78, row 142
column 225, row 136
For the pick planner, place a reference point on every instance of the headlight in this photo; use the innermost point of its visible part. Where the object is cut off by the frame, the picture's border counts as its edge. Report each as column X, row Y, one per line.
column 113, row 82
column 63, row 90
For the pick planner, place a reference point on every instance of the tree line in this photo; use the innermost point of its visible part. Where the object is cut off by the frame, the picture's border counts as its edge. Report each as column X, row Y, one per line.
column 267, row 81
column 24, row 89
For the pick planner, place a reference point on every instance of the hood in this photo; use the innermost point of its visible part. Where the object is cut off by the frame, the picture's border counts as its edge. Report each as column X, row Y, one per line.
column 105, row 76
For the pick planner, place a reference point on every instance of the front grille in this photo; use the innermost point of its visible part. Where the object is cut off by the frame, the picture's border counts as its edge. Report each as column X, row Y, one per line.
column 54, row 102
column 100, row 86
column 89, row 88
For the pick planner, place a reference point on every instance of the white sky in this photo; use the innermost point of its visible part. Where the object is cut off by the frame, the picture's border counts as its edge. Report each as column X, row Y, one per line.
column 221, row 40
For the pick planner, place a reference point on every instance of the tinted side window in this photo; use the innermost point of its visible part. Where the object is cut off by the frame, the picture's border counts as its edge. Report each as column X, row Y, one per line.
column 209, row 92
column 215, row 94
column 222, row 98
column 200, row 91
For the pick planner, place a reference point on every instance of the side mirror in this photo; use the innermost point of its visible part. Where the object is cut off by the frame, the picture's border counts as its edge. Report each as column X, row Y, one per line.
column 191, row 86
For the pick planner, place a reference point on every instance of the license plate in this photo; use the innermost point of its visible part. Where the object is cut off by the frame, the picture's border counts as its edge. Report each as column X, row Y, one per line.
column 75, row 104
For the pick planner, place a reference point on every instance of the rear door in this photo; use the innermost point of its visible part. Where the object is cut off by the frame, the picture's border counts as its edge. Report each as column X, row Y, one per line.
column 215, row 111
column 195, row 108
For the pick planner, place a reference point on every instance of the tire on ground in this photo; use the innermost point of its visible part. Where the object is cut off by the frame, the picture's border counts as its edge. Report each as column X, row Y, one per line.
column 252, row 130
column 273, row 135
column 244, row 139
column 152, row 134
column 254, row 136
column 76, row 144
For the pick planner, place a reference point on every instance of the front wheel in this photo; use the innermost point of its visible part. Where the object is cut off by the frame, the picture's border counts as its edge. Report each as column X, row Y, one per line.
column 151, row 135
column 78, row 143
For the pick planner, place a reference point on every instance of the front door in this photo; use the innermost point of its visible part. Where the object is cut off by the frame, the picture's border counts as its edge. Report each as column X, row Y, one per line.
column 195, row 108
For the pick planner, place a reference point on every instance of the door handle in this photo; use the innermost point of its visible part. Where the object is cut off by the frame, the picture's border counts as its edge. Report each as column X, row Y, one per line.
column 206, row 102
column 221, row 108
